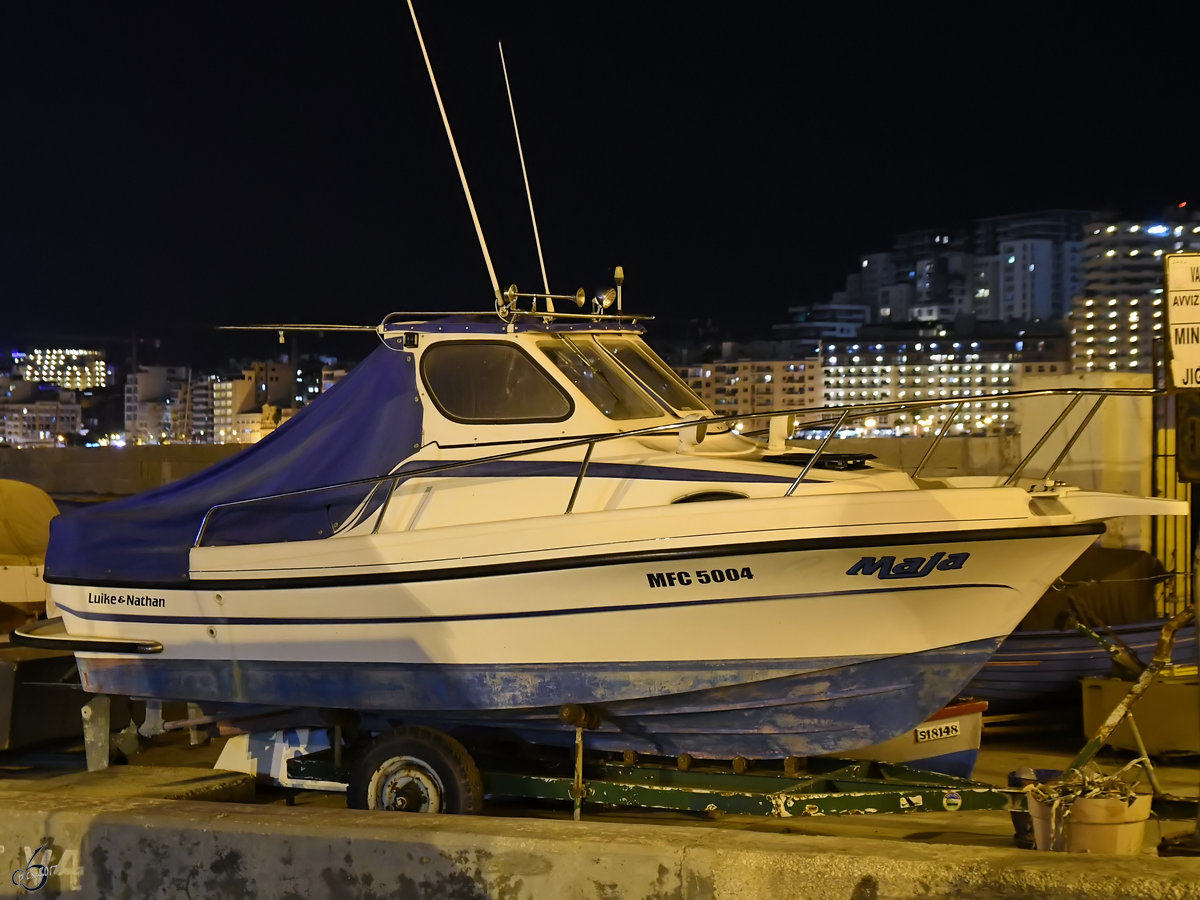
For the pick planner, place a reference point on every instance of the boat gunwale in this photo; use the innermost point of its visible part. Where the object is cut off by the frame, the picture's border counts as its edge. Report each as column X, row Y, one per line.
column 441, row 572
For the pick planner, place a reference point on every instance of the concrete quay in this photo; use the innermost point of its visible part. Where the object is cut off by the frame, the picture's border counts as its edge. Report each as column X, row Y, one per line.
column 162, row 848
column 140, row 831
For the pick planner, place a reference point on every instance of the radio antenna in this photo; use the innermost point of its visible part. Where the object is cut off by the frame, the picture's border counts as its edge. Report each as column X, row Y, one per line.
column 524, row 174
column 458, row 162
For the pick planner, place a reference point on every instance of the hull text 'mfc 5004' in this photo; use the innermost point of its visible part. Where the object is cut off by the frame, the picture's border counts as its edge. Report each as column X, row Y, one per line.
column 493, row 519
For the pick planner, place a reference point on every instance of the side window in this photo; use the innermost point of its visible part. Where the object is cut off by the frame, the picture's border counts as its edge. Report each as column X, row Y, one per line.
column 480, row 381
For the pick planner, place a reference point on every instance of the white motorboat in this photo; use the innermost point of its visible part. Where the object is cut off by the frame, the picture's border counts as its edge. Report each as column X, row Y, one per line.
column 493, row 519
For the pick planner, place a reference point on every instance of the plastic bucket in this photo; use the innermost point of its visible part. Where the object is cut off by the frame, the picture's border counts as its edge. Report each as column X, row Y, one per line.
column 1022, row 821
column 1091, row 825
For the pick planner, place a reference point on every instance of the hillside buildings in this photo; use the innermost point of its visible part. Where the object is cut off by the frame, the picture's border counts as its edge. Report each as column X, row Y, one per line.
column 966, row 313
column 34, row 414
column 944, row 316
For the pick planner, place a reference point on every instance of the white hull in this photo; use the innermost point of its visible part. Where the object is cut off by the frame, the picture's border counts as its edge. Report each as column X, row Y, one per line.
column 614, row 600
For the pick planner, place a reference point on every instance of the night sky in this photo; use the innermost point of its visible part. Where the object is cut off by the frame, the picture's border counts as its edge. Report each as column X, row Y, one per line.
column 168, row 167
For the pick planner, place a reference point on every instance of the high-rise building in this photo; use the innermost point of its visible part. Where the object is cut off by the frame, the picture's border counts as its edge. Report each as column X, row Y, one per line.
column 73, row 369
column 1029, row 265
column 1118, row 315
column 153, row 403
column 1018, row 267
column 198, row 420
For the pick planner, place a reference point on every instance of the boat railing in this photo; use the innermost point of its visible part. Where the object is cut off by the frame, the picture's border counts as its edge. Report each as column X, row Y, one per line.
column 369, row 497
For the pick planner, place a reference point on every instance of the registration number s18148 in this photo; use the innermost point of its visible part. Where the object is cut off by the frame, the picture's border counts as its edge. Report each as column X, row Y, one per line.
column 937, row 732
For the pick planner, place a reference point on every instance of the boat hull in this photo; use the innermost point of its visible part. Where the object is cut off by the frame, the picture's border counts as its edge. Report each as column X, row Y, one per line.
column 947, row 742
column 795, row 648
column 1034, row 670
column 752, row 708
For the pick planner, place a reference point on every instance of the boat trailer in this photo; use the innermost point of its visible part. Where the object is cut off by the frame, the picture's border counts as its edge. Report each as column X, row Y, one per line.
column 792, row 787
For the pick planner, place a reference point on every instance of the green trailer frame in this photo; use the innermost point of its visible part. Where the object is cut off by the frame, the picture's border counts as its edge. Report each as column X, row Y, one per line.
column 781, row 789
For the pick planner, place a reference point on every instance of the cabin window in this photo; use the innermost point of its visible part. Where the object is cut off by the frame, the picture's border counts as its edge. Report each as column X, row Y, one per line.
column 599, row 379
column 651, row 371
column 490, row 382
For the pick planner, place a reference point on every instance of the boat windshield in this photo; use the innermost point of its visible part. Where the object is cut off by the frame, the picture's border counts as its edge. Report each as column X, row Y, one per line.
column 601, row 380
column 654, row 374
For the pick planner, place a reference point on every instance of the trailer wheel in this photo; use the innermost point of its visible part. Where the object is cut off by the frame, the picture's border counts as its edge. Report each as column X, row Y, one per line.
column 416, row 769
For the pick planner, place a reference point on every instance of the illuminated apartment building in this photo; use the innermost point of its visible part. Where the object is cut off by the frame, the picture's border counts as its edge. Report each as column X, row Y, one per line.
column 1118, row 317
column 75, row 370
column 744, row 387
column 36, row 414
column 938, row 365
column 238, row 403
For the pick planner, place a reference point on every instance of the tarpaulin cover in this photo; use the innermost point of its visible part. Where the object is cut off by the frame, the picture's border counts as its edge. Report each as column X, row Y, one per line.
column 362, row 427
column 25, row 514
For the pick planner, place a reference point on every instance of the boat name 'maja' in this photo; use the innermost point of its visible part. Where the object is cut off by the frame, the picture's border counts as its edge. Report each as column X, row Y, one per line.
column 909, row 567
column 126, row 599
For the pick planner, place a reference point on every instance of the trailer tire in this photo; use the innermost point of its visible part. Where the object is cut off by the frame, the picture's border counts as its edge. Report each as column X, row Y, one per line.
column 416, row 769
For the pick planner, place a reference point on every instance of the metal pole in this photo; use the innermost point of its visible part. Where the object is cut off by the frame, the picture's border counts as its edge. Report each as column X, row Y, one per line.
column 937, row 439
column 1012, row 479
column 1071, row 442
column 487, row 258
column 820, row 449
column 1196, row 625
column 579, row 479
column 578, row 786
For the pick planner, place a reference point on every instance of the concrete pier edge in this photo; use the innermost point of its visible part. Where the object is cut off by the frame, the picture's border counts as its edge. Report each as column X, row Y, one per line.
column 101, row 847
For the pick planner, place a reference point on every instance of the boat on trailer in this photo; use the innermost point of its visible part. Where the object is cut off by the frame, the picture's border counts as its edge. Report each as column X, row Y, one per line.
column 494, row 519
column 522, row 524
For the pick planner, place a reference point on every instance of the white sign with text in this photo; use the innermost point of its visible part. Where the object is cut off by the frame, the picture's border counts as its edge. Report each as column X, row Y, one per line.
column 1183, row 318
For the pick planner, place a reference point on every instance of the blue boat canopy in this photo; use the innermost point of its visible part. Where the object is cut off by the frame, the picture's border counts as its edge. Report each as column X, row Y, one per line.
column 361, row 428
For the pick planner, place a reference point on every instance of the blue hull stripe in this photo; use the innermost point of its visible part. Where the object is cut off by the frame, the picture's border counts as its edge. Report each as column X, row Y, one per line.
column 516, row 614
column 556, row 469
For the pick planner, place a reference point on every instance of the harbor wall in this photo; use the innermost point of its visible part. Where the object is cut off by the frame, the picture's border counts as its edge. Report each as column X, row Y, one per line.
column 102, row 473
column 163, row 848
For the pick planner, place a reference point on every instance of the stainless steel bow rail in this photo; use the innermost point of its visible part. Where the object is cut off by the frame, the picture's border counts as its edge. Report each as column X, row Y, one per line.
column 832, row 419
